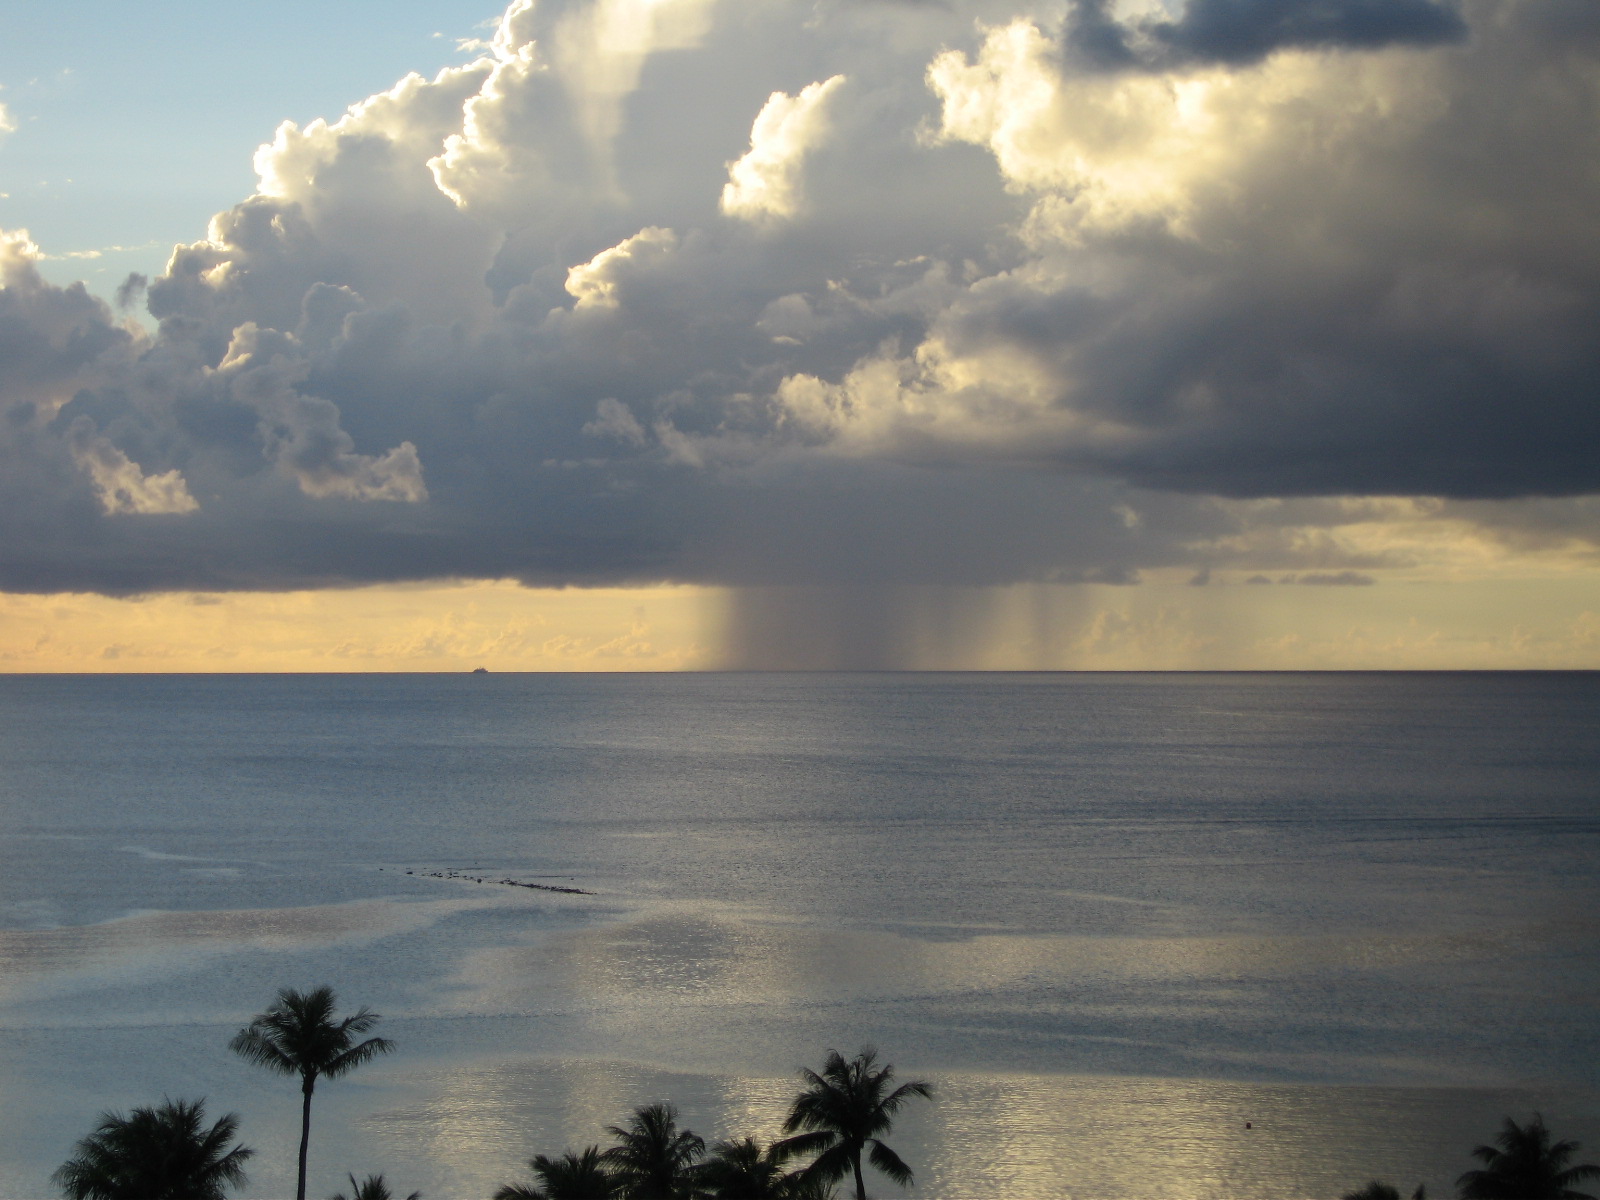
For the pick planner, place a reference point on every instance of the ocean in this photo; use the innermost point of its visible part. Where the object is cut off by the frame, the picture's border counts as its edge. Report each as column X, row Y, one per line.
column 1150, row 936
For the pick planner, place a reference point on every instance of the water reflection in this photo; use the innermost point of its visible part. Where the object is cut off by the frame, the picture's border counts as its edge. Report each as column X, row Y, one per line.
column 66, row 962
column 724, row 980
column 1017, row 1137
column 1064, row 900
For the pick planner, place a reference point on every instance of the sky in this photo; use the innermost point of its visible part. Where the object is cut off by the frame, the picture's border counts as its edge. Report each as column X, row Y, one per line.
column 679, row 334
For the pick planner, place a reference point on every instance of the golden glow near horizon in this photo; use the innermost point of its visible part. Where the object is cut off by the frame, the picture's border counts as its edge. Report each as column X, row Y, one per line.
column 433, row 627
column 1237, row 621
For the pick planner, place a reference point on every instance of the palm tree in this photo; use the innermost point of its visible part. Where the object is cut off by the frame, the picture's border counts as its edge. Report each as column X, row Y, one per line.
column 745, row 1170
column 570, row 1177
column 299, row 1035
column 1527, row 1166
column 373, row 1187
column 162, row 1153
column 1382, row 1191
column 843, row 1111
column 654, row 1159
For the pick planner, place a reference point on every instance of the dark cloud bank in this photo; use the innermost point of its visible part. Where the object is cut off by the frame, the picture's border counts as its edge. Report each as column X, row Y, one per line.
column 509, row 322
column 1246, row 31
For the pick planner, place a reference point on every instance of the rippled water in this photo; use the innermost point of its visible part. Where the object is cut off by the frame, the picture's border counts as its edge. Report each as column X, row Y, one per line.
column 1113, row 918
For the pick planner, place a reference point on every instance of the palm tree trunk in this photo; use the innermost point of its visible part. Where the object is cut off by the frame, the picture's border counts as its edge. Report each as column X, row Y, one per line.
column 305, row 1135
column 855, row 1162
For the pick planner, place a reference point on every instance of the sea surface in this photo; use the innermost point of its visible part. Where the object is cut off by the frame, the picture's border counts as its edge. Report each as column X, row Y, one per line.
column 1151, row 936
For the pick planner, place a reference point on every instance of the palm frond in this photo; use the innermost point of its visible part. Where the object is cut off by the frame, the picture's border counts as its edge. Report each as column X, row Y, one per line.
column 654, row 1159
column 299, row 1035
column 373, row 1187
column 1375, row 1190
column 805, row 1143
column 580, row 1176
column 832, row 1164
column 158, row 1152
column 847, row 1107
column 906, row 1091
column 891, row 1164
column 357, row 1055
column 254, row 1045
column 1525, row 1163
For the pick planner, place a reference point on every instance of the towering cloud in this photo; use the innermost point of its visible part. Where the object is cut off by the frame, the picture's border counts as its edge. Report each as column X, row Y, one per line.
column 766, row 181
column 886, row 294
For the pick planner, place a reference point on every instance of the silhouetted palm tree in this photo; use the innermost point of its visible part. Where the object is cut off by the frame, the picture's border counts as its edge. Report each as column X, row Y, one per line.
column 844, row 1110
column 570, row 1177
column 373, row 1187
column 1527, row 1166
column 1382, row 1191
column 654, row 1159
column 299, row 1035
column 162, row 1153
column 746, row 1170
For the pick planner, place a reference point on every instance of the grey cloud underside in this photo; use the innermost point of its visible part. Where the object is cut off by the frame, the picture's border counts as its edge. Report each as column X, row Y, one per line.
column 1246, row 31
column 1303, row 393
column 379, row 370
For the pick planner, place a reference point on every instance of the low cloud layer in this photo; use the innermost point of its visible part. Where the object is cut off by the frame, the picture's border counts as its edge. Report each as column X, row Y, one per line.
column 801, row 295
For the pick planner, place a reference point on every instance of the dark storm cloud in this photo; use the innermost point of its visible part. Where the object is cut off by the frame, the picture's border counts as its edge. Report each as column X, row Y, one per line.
column 1094, row 37
column 854, row 295
column 1240, row 32
column 1244, row 31
column 1317, row 275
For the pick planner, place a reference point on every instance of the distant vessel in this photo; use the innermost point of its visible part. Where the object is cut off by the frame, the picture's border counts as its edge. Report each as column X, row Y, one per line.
column 480, row 670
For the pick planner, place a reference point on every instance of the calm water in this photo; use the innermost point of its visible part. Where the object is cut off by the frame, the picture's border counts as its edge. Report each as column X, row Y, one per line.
column 1113, row 918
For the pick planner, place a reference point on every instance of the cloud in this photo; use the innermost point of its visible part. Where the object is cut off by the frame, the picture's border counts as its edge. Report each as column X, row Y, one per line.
column 911, row 298
column 594, row 284
column 765, row 183
column 263, row 372
column 1265, row 279
column 123, row 488
column 1240, row 31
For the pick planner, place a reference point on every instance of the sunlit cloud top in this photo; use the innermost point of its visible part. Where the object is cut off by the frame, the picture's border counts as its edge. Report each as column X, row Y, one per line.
column 871, row 293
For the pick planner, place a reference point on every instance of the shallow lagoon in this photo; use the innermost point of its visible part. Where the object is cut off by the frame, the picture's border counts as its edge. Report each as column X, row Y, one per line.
column 1112, row 917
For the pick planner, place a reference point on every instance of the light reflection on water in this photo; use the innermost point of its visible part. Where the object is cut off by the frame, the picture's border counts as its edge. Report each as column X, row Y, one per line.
column 1112, row 919
column 1017, row 1137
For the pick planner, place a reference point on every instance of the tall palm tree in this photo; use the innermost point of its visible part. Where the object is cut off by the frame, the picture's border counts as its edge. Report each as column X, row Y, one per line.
column 299, row 1035
column 746, row 1170
column 654, row 1159
column 845, row 1109
column 162, row 1153
column 1526, row 1166
column 373, row 1187
column 570, row 1177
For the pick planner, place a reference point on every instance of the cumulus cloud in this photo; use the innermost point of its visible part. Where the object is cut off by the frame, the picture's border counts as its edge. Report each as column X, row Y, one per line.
column 124, row 488
column 263, row 372
column 594, row 284
column 1264, row 279
column 765, row 183
column 832, row 297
